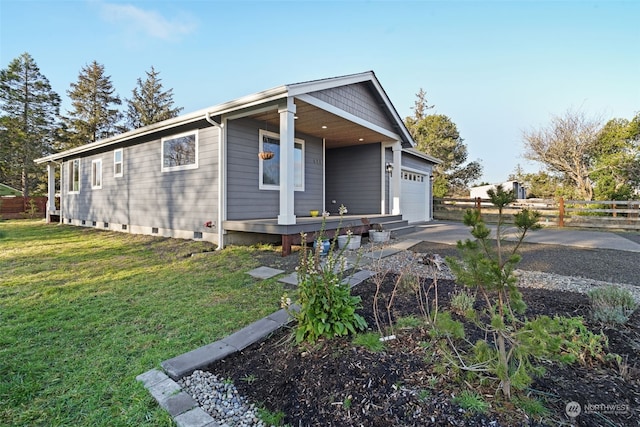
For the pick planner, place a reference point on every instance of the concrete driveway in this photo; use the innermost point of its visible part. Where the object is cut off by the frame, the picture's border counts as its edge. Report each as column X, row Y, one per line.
column 448, row 232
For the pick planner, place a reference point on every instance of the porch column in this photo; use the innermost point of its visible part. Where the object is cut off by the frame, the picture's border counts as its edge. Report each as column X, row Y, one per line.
column 396, row 178
column 287, row 167
column 51, row 190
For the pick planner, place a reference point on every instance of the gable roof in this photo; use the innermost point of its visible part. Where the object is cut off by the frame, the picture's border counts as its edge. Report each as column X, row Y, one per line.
column 298, row 90
column 5, row 190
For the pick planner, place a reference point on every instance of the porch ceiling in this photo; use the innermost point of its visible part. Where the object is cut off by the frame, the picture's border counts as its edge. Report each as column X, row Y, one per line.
column 339, row 132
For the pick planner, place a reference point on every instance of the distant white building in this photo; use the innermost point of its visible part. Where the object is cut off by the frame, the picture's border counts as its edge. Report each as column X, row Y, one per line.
column 481, row 191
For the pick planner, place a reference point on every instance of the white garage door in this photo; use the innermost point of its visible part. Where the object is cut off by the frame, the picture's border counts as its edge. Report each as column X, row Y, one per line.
column 413, row 202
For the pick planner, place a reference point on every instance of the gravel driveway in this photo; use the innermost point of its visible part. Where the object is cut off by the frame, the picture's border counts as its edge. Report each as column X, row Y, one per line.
column 598, row 264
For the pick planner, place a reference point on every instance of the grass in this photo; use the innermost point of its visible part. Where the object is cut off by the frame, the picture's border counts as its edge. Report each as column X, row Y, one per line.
column 83, row 311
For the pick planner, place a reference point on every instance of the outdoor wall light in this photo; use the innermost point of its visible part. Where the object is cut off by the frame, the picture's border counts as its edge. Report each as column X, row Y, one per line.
column 389, row 167
column 430, row 177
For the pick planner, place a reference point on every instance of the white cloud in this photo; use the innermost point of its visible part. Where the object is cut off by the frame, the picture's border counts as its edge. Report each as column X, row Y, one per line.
column 148, row 22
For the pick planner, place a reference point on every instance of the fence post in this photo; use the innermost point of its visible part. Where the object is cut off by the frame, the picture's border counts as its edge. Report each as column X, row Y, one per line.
column 613, row 207
column 561, row 212
column 479, row 206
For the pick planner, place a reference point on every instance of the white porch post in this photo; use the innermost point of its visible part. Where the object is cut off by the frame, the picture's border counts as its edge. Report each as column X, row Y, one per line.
column 396, row 178
column 287, row 169
column 51, row 190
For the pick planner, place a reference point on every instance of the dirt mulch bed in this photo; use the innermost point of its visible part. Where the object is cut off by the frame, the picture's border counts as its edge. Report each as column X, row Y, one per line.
column 336, row 383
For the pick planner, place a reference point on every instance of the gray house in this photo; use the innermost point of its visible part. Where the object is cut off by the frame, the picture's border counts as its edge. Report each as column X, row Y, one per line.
column 252, row 169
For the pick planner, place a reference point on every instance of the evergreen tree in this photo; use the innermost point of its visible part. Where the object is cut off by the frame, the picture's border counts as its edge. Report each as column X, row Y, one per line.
column 30, row 112
column 150, row 104
column 94, row 115
column 438, row 136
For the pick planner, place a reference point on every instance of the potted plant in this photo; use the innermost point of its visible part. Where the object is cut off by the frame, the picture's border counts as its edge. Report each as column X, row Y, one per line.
column 314, row 213
column 349, row 241
column 378, row 234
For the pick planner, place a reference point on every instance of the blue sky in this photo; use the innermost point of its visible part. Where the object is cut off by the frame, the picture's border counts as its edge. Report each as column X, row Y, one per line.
column 495, row 68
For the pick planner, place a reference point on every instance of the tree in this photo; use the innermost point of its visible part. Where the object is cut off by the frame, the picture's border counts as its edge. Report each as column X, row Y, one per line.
column 30, row 114
column 150, row 104
column 93, row 99
column 419, row 108
column 566, row 147
column 438, row 136
column 616, row 160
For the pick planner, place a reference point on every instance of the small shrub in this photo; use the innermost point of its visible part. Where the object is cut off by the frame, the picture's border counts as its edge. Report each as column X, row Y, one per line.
column 409, row 322
column 611, row 305
column 471, row 401
column 271, row 418
column 462, row 303
column 531, row 406
column 370, row 341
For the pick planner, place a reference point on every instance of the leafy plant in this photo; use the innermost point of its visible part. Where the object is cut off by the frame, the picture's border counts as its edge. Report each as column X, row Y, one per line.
column 271, row 418
column 370, row 341
column 611, row 304
column 327, row 308
column 471, row 401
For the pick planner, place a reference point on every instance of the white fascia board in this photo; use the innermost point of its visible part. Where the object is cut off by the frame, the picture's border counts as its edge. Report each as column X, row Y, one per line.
column 393, row 110
column 297, row 89
column 352, row 118
column 240, row 103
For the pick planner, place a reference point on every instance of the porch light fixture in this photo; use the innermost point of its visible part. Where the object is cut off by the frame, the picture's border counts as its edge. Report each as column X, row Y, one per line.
column 430, row 177
column 324, row 126
column 389, row 167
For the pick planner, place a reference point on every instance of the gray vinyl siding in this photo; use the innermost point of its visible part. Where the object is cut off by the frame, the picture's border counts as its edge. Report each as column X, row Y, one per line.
column 245, row 200
column 417, row 163
column 357, row 99
column 146, row 196
column 353, row 179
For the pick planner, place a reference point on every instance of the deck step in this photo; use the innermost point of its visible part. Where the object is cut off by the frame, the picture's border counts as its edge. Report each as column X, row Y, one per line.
column 401, row 231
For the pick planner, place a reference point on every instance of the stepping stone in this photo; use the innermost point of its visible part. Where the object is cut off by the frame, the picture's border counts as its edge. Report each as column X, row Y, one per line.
column 405, row 244
column 264, row 272
column 290, row 279
column 382, row 253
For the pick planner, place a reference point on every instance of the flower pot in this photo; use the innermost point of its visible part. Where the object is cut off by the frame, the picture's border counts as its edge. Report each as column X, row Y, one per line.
column 324, row 246
column 349, row 242
column 314, row 213
column 379, row 236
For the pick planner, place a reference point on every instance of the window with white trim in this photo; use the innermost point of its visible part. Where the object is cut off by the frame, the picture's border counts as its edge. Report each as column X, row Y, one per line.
column 96, row 174
column 74, row 176
column 118, row 170
column 270, row 168
column 180, row 152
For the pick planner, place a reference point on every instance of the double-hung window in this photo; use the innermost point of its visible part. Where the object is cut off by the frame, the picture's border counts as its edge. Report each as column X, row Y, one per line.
column 96, row 174
column 118, row 170
column 74, row 176
column 270, row 168
column 180, row 152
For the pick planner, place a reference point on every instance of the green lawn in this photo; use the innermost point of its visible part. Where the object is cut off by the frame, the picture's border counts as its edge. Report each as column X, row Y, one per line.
column 83, row 311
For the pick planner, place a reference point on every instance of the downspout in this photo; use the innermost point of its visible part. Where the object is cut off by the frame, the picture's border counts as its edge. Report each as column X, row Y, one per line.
column 61, row 189
column 221, row 187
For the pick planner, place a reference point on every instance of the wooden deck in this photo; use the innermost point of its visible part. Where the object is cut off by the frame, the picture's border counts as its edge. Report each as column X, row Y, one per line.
column 291, row 234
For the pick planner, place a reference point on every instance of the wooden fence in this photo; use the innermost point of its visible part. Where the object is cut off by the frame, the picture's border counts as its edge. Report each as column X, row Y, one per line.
column 12, row 207
column 612, row 214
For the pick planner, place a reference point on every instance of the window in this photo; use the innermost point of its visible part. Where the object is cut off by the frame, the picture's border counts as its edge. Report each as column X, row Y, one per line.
column 74, row 176
column 180, row 152
column 270, row 169
column 117, row 163
column 96, row 174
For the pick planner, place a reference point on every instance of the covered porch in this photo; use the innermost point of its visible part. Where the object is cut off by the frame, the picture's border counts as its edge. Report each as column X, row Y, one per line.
column 290, row 234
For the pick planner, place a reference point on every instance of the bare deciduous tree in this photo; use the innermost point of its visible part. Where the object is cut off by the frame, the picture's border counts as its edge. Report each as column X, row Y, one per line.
column 565, row 147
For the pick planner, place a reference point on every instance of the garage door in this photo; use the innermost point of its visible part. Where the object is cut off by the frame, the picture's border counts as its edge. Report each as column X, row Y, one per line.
column 413, row 202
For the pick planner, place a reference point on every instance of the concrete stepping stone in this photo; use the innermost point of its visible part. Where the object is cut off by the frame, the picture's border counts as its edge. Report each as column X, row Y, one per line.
column 264, row 272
